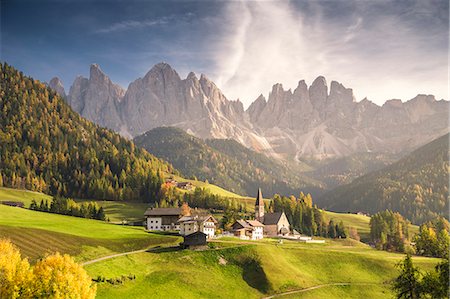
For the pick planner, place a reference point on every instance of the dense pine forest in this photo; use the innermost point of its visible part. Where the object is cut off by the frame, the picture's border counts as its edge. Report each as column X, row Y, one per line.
column 45, row 146
column 416, row 186
column 224, row 162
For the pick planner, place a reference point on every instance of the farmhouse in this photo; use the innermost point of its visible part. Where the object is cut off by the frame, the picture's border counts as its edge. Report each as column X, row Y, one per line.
column 163, row 219
column 194, row 240
column 275, row 224
column 193, row 223
column 248, row 229
column 185, row 185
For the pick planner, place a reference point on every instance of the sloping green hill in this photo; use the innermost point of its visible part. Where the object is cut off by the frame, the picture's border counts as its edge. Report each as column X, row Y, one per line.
column 46, row 146
column 225, row 163
column 416, row 186
column 39, row 233
column 254, row 270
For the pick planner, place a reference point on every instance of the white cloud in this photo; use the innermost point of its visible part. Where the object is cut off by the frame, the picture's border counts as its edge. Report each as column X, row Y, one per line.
column 130, row 24
column 381, row 56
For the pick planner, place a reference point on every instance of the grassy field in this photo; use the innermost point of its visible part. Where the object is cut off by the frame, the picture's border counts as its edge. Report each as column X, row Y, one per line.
column 118, row 211
column 38, row 233
column 230, row 269
column 25, row 196
column 212, row 188
column 242, row 270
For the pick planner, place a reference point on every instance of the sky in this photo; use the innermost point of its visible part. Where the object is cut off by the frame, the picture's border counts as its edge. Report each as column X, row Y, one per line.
column 381, row 49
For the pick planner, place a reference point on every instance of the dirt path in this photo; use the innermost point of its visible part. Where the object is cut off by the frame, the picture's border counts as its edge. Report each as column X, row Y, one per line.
column 318, row 287
column 113, row 256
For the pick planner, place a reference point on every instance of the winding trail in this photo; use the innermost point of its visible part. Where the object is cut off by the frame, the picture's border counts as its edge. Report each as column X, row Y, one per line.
column 113, row 256
column 319, row 287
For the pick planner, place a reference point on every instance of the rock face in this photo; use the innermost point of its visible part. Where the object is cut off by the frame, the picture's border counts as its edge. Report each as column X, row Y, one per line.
column 57, row 85
column 317, row 124
column 318, row 121
column 98, row 99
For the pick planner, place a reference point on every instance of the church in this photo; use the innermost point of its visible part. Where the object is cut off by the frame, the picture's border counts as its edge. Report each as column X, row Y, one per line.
column 275, row 224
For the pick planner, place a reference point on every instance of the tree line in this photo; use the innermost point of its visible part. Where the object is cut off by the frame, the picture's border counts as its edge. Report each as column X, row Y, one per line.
column 414, row 284
column 67, row 206
column 390, row 231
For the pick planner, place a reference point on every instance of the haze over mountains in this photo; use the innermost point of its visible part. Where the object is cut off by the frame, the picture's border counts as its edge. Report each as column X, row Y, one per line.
column 317, row 121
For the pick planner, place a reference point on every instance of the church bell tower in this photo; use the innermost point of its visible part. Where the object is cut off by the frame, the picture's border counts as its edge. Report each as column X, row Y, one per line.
column 259, row 207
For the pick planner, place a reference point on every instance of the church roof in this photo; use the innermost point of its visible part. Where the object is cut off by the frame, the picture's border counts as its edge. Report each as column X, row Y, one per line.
column 272, row 218
column 259, row 199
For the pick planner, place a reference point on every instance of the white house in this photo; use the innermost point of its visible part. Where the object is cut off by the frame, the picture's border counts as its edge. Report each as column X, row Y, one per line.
column 163, row 219
column 248, row 229
column 191, row 224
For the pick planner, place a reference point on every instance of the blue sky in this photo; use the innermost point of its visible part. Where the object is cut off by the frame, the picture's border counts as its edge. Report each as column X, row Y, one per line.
column 381, row 49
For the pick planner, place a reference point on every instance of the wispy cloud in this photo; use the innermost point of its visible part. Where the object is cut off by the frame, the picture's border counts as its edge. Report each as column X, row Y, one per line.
column 135, row 24
column 131, row 24
column 364, row 46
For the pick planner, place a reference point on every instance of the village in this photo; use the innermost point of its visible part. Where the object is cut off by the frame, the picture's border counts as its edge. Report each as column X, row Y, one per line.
column 197, row 227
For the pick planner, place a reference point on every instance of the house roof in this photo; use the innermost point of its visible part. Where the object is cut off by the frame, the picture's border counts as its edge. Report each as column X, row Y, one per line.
column 248, row 224
column 272, row 218
column 255, row 223
column 163, row 212
column 259, row 199
column 243, row 223
column 194, row 234
column 197, row 218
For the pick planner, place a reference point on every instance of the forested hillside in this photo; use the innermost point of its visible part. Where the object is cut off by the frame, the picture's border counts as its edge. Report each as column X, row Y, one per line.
column 340, row 171
column 416, row 186
column 45, row 146
column 224, row 162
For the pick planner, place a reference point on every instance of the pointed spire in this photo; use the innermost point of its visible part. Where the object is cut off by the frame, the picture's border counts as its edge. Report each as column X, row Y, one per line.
column 259, row 199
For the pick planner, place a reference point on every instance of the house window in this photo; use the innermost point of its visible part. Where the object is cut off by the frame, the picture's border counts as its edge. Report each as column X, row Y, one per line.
column 151, row 221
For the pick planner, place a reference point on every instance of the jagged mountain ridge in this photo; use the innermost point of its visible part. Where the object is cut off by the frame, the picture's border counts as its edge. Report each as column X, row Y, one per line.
column 314, row 122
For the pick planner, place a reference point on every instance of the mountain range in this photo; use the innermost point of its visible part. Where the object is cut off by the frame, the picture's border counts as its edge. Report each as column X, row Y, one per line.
column 313, row 122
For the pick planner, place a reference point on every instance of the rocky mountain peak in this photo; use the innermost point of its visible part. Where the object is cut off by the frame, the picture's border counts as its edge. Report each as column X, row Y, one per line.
column 95, row 73
column 56, row 84
column 191, row 76
column 315, row 121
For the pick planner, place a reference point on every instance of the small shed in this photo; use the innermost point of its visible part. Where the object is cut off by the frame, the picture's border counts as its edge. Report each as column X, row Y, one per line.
column 194, row 240
column 13, row 203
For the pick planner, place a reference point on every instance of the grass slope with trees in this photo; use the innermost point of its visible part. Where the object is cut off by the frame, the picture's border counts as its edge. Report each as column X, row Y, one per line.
column 224, row 162
column 416, row 186
column 233, row 268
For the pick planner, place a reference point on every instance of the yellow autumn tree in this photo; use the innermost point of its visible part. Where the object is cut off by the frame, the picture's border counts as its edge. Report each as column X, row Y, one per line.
column 58, row 276
column 15, row 273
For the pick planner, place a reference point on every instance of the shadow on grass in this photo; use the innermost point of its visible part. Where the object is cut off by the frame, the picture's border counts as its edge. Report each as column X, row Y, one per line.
column 254, row 275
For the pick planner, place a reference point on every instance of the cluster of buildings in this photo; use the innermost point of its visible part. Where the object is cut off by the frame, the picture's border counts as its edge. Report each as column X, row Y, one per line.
column 194, row 225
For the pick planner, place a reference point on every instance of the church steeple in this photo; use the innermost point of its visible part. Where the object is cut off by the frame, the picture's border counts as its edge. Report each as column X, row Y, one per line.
column 259, row 207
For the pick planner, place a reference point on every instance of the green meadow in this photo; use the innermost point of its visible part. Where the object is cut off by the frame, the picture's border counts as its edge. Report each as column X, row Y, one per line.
column 230, row 268
column 243, row 270
column 39, row 233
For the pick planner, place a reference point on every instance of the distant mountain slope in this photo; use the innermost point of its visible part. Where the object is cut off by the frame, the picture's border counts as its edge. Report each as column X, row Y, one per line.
column 224, row 162
column 416, row 186
column 46, row 146
column 336, row 172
